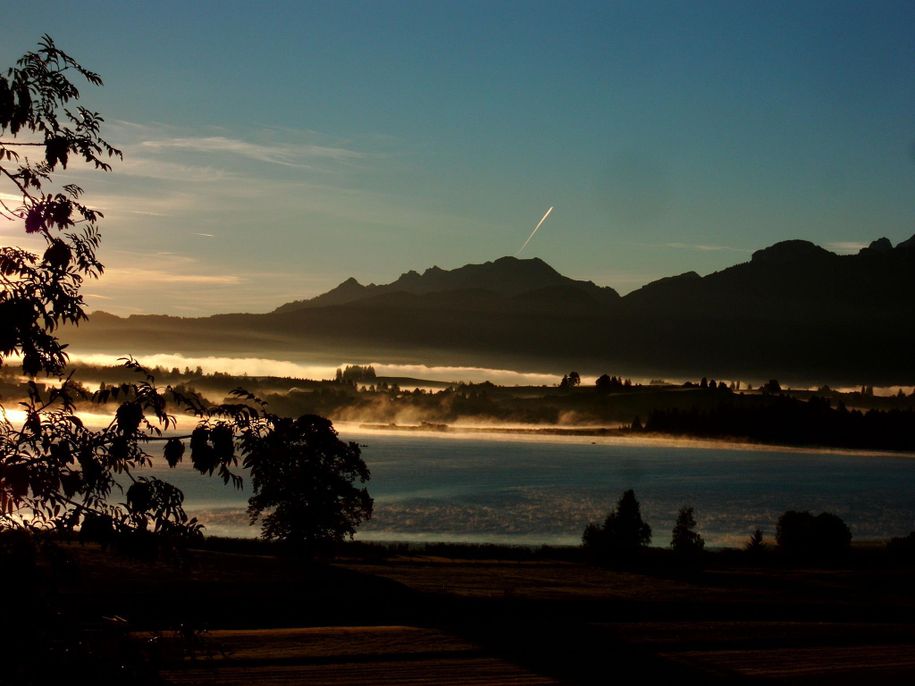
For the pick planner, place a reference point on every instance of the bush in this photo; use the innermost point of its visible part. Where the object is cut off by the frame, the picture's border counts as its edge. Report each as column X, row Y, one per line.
column 800, row 534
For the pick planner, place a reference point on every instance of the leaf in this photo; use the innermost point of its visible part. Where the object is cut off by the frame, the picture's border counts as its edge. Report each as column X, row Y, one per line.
column 174, row 451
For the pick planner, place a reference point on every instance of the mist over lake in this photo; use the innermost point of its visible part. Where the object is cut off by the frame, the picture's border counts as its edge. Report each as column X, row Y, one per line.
column 544, row 490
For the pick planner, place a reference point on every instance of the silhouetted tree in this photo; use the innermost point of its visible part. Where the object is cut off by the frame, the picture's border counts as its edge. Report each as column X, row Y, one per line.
column 52, row 467
column 605, row 383
column 902, row 549
column 41, row 293
column 800, row 534
column 622, row 534
column 304, row 482
column 755, row 545
column 686, row 540
column 55, row 473
column 771, row 387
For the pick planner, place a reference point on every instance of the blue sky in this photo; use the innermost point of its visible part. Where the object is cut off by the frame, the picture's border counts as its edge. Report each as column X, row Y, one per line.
column 272, row 150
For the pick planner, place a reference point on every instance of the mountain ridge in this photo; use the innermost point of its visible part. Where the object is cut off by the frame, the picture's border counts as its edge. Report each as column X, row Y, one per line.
column 505, row 276
column 794, row 310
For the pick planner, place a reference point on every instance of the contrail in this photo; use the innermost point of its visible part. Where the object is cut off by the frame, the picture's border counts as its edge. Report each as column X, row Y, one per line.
column 539, row 224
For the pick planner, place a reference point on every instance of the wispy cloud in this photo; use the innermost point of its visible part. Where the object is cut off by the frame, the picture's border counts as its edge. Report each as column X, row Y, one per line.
column 703, row 247
column 138, row 165
column 138, row 281
column 286, row 154
column 138, row 277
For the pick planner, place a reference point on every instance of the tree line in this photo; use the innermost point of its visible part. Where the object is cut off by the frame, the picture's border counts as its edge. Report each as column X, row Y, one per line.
column 623, row 534
column 786, row 420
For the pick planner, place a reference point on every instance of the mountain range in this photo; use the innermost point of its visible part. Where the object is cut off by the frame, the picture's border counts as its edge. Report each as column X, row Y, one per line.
column 794, row 311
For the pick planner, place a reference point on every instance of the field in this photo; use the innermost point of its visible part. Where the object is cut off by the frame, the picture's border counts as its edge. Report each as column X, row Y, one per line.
column 506, row 616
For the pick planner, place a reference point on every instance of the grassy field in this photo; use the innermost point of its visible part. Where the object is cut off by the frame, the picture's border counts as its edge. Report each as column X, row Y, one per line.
column 504, row 617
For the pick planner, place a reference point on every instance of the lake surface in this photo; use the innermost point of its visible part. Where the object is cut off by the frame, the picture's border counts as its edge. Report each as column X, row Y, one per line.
column 544, row 490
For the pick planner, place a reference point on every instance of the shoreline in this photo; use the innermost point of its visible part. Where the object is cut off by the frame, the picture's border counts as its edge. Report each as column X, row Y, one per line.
column 621, row 433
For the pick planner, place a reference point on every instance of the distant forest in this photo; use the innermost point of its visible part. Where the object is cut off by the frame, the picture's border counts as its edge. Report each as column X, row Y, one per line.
column 702, row 408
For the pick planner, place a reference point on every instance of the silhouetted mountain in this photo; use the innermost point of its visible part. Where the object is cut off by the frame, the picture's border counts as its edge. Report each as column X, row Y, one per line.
column 505, row 277
column 879, row 245
column 794, row 311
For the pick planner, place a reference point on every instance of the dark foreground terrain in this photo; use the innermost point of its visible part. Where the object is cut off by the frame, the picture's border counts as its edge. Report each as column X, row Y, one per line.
column 449, row 615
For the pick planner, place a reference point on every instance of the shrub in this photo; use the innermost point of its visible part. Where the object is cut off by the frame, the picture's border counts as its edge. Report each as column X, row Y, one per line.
column 800, row 534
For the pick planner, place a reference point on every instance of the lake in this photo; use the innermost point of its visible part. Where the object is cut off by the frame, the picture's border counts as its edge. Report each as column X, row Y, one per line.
column 523, row 489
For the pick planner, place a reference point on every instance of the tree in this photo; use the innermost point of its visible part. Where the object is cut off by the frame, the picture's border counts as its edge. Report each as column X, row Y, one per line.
column 686, row 540
column 802, row 535
column 54, row 472
column 40, row 293
column 622, row 534
column 755, row 545
column 304, row 480
column 606, row 383
column 772, row 387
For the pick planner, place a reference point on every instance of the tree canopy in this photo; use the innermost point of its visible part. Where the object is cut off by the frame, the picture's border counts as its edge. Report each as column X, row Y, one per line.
column 41, row 292
column 800, row 534
column 305, row 482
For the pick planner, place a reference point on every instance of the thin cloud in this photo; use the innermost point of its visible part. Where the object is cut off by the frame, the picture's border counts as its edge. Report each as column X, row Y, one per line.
column 289, row 155
column 137, row 165
column 703, row 247
column 138, row 276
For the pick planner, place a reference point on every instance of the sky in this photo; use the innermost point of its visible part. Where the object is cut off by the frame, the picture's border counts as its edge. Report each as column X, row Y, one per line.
column 272, row 150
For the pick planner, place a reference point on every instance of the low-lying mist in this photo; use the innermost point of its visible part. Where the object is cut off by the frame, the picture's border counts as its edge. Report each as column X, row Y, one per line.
column 259, row 366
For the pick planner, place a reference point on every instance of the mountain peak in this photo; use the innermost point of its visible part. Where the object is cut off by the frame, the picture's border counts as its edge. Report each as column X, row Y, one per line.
column 877, row 246
column 505, row 277
column 789, row 251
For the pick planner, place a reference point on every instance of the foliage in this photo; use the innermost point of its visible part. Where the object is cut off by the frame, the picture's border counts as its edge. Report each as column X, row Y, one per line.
column 686, row 540
column 622, row 534
column 303, row 477
column 570, row 381
column 610, row 384
column 771, row 387
column 755, row 545
column 800, row 534
column 58, row 474
column 41, row 292
column 354, row 372
column 55, row 473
